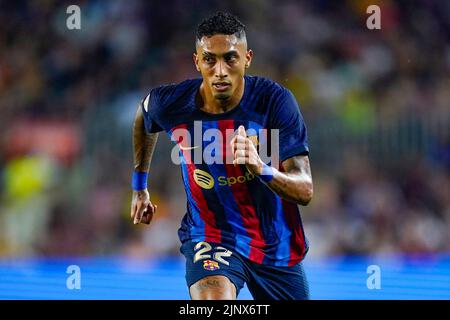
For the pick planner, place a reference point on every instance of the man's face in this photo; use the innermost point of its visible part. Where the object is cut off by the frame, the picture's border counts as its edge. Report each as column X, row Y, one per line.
column 222, row 60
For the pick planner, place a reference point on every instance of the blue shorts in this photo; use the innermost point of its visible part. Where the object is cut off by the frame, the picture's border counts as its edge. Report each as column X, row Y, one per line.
column 263, row 281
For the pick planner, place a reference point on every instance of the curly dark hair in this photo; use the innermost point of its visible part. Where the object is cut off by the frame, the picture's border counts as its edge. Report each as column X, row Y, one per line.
column 220, row 23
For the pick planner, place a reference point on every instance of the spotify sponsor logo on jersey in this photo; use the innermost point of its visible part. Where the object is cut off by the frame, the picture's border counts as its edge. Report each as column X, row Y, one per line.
column 203, row 179
column 206, row 181
column 229, row 181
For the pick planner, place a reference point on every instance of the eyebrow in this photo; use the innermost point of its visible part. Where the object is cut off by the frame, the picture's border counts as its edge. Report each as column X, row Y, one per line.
column 226, row 54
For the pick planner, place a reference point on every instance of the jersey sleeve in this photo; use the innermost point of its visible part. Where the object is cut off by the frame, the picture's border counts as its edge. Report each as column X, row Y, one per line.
column 150, row 107
column 286, row 116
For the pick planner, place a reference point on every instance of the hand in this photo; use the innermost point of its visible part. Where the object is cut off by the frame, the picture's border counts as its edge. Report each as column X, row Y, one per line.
column 244, row 152
column 142, row 209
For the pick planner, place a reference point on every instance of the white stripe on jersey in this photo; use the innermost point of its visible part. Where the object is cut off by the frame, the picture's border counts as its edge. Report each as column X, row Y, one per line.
column 146, row 103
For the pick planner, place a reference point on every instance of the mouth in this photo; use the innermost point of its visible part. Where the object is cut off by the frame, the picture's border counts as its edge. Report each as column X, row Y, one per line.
column 221, row 86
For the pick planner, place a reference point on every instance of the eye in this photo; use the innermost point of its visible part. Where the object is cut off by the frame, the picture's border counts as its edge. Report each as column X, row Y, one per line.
column 208, row 59
column 231, row 59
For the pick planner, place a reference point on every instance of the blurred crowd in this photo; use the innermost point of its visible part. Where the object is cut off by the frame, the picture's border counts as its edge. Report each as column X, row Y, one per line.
column 68, row 98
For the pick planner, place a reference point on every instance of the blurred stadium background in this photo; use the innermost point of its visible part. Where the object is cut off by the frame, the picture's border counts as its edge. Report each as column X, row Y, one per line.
column 376, row 103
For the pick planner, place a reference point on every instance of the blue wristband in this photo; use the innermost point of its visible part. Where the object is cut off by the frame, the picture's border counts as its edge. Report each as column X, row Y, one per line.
column 139, row 180
column 266, row 174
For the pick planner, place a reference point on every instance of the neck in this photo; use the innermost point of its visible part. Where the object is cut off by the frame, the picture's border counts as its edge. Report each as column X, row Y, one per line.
column 211, row 105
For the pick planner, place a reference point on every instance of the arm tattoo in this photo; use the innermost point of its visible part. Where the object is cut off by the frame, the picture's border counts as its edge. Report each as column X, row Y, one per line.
column 143, row 144
column 295, row 183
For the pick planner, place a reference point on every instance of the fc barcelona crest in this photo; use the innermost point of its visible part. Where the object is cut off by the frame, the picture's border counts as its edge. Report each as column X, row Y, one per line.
column 210, row 265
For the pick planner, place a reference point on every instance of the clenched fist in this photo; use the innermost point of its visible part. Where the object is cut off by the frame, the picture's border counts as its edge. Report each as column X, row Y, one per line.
column 142, row 209
column 244, row 152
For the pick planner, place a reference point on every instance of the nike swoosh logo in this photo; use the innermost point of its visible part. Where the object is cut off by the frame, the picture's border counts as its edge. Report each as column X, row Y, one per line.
column 188, row 148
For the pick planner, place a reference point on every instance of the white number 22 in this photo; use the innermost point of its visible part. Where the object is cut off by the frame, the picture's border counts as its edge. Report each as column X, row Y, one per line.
column 219, row 255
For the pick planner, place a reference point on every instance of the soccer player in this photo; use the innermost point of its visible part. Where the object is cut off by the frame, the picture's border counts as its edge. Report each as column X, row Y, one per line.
column 242, row 223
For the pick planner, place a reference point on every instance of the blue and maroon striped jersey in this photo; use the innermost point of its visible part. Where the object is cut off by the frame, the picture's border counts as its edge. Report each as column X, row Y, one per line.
column 227, row 204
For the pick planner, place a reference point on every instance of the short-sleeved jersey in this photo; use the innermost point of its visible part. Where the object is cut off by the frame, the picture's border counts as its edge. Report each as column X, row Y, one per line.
column 226, row 204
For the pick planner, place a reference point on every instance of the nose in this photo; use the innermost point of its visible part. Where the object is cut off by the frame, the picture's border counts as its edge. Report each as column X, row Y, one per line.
column 220, row 70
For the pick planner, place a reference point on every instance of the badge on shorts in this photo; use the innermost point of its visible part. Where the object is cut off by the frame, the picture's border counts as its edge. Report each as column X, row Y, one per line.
column 210, row 265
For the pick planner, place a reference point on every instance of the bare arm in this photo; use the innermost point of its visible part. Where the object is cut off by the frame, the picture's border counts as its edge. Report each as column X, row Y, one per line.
column 144, row 143
column 295, row 183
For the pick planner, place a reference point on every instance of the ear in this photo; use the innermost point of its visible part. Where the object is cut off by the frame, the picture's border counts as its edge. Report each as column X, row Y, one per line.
column 248, row 58
column 194, row 56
